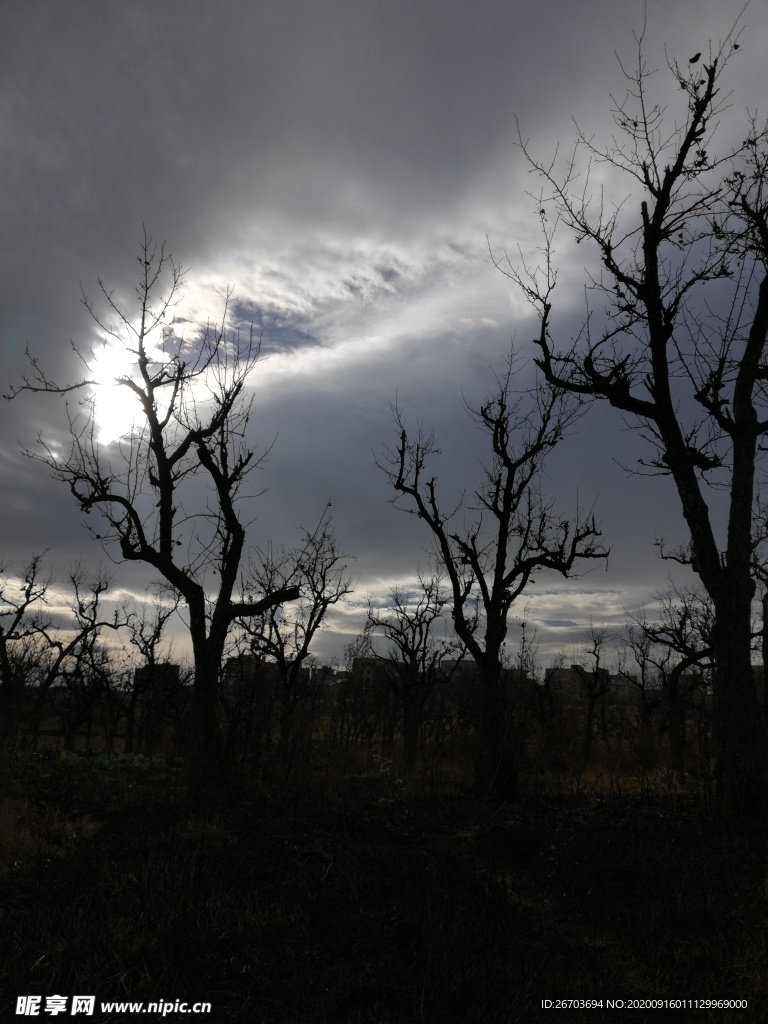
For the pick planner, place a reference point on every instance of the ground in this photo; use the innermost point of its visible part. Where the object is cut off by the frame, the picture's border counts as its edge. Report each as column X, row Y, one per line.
column 371, row 899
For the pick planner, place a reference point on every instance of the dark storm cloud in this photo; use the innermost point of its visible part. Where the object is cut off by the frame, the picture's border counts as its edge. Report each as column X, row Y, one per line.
column 339, row 165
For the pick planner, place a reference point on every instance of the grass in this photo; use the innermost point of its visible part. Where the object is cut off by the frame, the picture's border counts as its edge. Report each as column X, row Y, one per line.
column 369, row 899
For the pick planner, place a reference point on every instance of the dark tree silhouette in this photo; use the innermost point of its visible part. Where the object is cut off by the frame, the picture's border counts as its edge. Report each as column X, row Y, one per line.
column 21, row 625
column 191, row 415
column 595, row 683
column 679, row 348
column 318, row 568
column 678, row 645
column 415, row 652
column 37, row 652
column 148, row 692
column 492, row 545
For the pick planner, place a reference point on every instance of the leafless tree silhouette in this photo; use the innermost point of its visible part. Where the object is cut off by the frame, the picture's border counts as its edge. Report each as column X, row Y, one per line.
column 408, row 623
column 679, row 345
column 510, row 532
column 191, row 417
column 37, row 651
column 318, row 567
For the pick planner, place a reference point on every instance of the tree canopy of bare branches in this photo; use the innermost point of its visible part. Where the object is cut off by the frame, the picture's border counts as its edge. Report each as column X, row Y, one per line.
column 676, row 646
column 318, row 567
column 408, row 624
column 680, row 256
column 36, row 651
column 191, row 414
column 495, row 542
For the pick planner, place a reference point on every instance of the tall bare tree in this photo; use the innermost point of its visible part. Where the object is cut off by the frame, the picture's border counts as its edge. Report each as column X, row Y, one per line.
column 679, row 346
column 191, row 415
column 493, row 543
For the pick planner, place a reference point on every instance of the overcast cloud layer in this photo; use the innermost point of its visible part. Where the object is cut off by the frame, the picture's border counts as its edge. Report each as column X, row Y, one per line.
column 341, row 165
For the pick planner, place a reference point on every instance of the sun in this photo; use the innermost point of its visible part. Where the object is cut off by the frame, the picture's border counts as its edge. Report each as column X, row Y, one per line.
column 115, row 406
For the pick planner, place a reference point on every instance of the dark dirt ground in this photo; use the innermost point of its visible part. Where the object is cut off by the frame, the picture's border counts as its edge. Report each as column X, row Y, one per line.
column 365, row 902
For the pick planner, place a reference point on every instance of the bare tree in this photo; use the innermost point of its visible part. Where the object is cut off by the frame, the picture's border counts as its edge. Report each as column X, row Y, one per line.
column 21, row 622
column 149, row 693
column 493, row 544
column 85, row 686
column 364, row 711
column 680, row 344
column 636, row 667
column 191, row 417
column 35, row 651
column 678, row 645
column 760, row 573
column 595, row 683
column 414, row 654
column 318, row 568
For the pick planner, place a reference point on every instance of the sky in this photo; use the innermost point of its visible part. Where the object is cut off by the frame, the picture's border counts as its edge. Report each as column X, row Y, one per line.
column 346, row 167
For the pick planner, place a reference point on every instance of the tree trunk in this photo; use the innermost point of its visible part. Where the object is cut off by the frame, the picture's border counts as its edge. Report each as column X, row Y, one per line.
column 763, row 694
column 204, row 745
column 495, row 764
column 742, row 789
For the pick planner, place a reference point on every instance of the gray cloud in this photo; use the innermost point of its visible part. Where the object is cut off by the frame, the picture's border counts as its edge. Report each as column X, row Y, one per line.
column 340, row 165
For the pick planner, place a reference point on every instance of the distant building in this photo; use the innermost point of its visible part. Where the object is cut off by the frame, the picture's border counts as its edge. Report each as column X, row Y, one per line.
column 466, row 668
column 249, row 670
column 574, row 684
column 161, row 676
column 622, row 685
column 253, row 670
column 567, row 685
column 370, row 672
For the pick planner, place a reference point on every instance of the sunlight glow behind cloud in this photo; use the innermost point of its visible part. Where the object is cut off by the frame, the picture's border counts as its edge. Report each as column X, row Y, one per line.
column 344, row 173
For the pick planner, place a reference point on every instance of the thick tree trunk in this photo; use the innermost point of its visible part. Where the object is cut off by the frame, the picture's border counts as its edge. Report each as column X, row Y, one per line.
column 742, row 783
column 203, row 768
column 496, row 765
